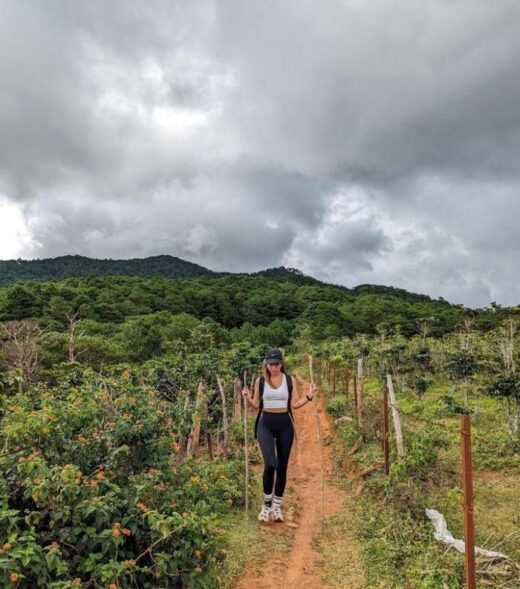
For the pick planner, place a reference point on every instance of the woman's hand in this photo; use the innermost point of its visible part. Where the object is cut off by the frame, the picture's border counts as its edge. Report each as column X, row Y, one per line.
column 313, row 390
column 247, row 394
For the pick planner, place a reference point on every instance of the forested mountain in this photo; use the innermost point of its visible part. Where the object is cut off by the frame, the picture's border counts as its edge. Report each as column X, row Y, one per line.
column 162, row 266
column 293, row 275
column 277, row 300
column 167, row 267
column 76, row 266
column 240, row 302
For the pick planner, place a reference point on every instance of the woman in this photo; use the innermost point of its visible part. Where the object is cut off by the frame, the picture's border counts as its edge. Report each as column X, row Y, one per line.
column 276, row 427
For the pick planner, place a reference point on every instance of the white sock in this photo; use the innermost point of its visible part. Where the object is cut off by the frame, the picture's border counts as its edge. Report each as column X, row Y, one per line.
column 277, row 501
column 268, row 499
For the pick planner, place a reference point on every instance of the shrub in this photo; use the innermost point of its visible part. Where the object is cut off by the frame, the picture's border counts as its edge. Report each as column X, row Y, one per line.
column 90, row 491
column 337, row 406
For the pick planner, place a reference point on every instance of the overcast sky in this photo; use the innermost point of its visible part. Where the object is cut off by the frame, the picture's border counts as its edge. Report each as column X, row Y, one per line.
column 361, row 142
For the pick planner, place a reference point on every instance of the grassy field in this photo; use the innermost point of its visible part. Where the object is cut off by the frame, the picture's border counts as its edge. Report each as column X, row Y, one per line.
column 396, row 537
column 247, row 545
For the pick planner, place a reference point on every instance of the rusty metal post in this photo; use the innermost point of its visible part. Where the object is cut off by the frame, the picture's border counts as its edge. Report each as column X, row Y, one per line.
column 467, row 485
column 386, row 446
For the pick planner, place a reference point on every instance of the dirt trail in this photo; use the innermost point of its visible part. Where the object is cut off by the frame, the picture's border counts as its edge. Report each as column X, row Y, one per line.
column 297, row 569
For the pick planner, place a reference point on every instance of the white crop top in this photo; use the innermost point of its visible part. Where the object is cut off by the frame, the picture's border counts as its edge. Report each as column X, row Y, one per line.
column 276, row 398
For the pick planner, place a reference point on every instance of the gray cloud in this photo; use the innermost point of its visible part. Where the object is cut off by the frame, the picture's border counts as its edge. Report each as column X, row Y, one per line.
column 361, row 143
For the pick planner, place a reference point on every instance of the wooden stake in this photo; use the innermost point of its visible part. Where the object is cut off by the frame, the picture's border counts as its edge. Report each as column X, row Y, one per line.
column 467, row 484
column 237, row 400
column 360, row 392
column 354, row 383
column 224, row 415
column 189, row 445
column 246, row 454
column 183, row 439
column 317, row 365
column 386, row 446
column 210, row 444
column 197, row 418
column 311, row 372
column 318, row 433
column 395, row 417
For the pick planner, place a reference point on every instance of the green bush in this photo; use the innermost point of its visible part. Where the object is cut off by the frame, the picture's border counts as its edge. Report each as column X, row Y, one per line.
column 421, row 455
column 91, row 491
column 337, row 406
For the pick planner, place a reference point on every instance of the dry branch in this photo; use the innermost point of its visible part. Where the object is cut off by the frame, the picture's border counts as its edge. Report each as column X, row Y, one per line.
column 371, row 469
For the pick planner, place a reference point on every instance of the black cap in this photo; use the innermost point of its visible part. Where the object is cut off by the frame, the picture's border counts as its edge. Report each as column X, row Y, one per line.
column 273, row 356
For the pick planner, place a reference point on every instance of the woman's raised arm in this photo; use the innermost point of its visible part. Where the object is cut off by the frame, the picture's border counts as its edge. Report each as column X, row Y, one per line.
column 302, row 397
column 254, row 399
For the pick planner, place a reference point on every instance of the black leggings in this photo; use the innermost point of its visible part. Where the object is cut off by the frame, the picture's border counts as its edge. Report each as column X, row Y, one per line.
column 275, row 427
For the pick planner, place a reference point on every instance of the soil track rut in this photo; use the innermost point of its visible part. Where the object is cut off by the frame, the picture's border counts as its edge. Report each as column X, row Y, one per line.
column 297, row 568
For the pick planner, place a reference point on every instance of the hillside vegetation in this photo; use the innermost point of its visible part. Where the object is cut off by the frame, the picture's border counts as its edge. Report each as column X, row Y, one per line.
column 78, row 266
column 117, row 470
column 435, row 382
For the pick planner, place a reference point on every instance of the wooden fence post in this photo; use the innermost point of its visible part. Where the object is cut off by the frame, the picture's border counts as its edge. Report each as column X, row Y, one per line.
column 360, row 392
column 224, row 415
column 183, row 439
column 209, row 441
column 246, row 452
column 386, row 447
column 467, row 485
column 354, row 390
column 197, row 418
column 237, row 400
column 318, row 435
column 395, row 417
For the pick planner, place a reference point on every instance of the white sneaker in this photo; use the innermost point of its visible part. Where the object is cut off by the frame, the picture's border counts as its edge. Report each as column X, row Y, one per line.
column 265, row 514
column 277, row 514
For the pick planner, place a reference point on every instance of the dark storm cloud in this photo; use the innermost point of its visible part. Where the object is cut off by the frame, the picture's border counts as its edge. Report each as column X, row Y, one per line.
column 361, row 142
column 225, row 219
column 79, row 94
column 378, row 90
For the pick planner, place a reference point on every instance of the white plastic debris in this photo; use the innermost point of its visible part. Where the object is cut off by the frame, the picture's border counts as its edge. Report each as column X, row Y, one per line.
column 444, row 535
column 344, row 418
